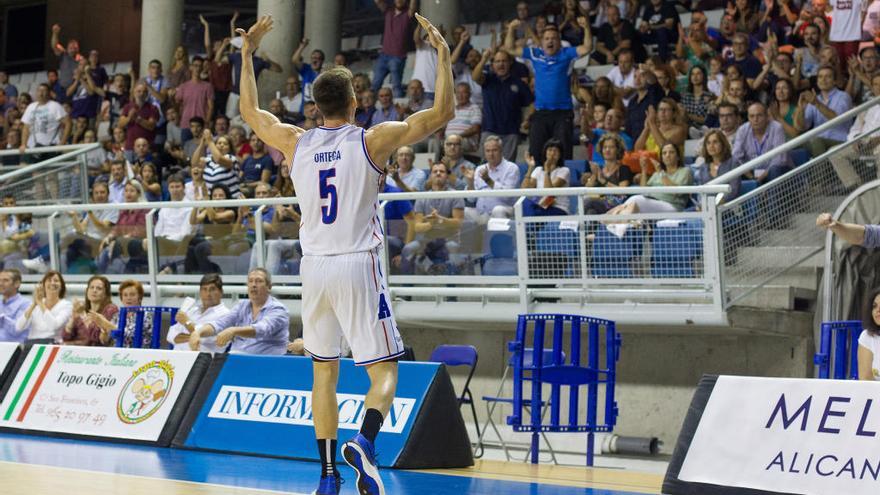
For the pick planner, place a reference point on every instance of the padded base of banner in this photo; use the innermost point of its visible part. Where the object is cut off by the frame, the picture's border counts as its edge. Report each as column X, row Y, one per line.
column 674, row 486
column 439, row 438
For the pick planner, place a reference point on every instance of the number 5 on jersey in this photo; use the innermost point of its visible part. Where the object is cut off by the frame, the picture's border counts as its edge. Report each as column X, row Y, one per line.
column 328, row 190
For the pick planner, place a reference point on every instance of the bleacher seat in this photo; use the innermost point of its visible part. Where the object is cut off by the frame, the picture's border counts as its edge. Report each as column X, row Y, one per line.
column 523, row 168
column 613, row 256
column 349, row 44
column 582, row 62
column 713, row 17
column 557, row 252
column 692, row 147
column 576, row 169
column 487, row 27
column 14, row 79
column 370, row 42
column 480, row 42
column 597, row 71
column 471, row 28
column 122, row 67
column 799, row 156
column 685, row 18
column 501, row 259
column 421, row 160
column 25, row 79
column 408, row 67
column 675, row 248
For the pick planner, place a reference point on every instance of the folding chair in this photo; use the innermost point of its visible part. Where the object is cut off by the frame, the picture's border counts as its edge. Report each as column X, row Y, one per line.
column 462, row 355
column 493, row 401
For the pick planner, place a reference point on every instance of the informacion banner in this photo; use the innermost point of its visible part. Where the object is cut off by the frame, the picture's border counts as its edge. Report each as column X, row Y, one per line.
column 95, row 391
column 811, row 437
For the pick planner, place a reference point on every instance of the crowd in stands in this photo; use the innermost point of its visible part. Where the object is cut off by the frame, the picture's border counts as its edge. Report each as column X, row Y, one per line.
column 734, row 88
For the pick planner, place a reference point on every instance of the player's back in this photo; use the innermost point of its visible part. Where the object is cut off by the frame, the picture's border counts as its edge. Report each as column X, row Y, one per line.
column 338, row 186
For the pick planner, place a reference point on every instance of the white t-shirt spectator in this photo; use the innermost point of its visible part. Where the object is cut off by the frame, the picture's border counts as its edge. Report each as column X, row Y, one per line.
column 621, row 81
column 872, row 343
column 44, row 122
column 92, row 230
column 846, row 20
column 425, row 67
column 557, row 173
column 199, row 317
column 46, row 324
column 466, row 117
column 173, row 224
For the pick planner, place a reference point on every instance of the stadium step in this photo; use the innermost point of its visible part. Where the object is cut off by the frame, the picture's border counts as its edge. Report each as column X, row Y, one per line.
column 783, row 297
column 776, row 256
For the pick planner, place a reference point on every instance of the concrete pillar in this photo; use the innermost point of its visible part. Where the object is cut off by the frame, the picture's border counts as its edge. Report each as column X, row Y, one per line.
column 323, row 28
column 161, row 29
column 441, row 13
column 279, row 44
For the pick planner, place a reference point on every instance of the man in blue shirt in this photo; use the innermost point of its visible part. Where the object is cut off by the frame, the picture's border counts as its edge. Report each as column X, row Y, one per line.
column 11, row 306
column 399, row 226
column 504, row 97
column 260, row 64
column 257, row 325
column 552, row 66
column 814, row 110
column 307, row 72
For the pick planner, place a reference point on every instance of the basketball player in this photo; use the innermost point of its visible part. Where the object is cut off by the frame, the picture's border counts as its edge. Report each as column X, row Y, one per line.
column 338, row 170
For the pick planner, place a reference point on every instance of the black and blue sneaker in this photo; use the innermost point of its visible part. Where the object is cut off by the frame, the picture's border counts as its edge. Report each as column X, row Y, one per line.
column 360, row 454
column 329, row 485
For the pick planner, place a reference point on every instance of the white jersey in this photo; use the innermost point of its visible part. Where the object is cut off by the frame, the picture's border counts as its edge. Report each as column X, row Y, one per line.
column 338, row 187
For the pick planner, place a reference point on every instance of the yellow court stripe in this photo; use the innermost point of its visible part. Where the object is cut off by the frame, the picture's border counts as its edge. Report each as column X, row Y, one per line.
column 607, row 479
column 33, row 479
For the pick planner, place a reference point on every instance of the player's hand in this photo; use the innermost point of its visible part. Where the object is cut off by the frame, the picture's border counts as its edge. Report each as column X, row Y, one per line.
column 434, row 37
column 225, row 337
column 251, row 39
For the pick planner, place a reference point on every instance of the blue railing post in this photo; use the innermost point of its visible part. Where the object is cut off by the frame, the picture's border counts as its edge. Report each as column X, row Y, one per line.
column 839, row 343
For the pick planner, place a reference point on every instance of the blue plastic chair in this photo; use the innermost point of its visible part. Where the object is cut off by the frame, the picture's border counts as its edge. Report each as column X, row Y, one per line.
column 461, row 355
column 613, row 256
column 501, row 259
column 140, row 314
column 839, row 345
column 492, row 401
column 675, row 249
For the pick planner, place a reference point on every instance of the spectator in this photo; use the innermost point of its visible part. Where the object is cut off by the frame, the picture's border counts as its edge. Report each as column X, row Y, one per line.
column 195, row 97
column 192, row 140
column 261, row 63
column 307, row 72
column 747, row 63
column 395, row 38
column 87, row 90
column 861, row 71
column 44, row 123
column 425, row 66
column 616, row 35
column 258, row 325
column 417, row 100
column 717, row 161
column 157, row 87
column 611, row 173
column 693, row 47
column 173, row 226
column 455, row 162
column 647, row 94
column 660, row 26
column 463, row 70
column 115, row 98
column 116, row 185
column 131, row 295
column 437, row 225
column 220, row 127
column 12, row 306
column 553, row 106
column 209, row 310
column 783, row 107
column 403, row 175
column 181, row 67
column 93, row 319
column 611, row 126
column 126, row 236
column 526, row 21
column 869, row 120
column 496, row 173
column 220, row 70
column 9, row 89
column 807, row 57
column 49, row 311
column 661, row 128
column 386, row 110
column 467, row 120
column 745, row 16
column 697, row 101
column 671, row 172
column 623, row 75
column 339, row 60
column 665, row 75
column 729, row 122
column 196, row 189
column 149, row 178
column 366, row 109
column 213, row 223
column 82, row 246
column 139, row 118
column 68, row 58
column 247, row 219
column 293, row 99
column 283, row 183
column 814, row 110
column 869, row 339
column 504, row 97
column 552, row 174
column 257, row 167
column 221, row 166
column 845, row 32
column 758, row 136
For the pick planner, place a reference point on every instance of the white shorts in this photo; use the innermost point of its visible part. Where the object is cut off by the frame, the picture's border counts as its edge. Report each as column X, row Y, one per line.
column 346, row 296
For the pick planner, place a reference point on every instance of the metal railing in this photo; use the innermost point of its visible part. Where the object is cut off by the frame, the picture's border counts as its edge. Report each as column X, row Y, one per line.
column 768, row 231
column 48, row 175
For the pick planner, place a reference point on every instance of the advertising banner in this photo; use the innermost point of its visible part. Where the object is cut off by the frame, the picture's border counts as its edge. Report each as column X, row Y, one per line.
column 7, row 351
column 776, row 435
column 262, row 405
column 94, row 391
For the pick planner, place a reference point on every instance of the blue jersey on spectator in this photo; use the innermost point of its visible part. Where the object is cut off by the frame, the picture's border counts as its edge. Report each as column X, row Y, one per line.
column 235, row 59
column 396, row 210
column 252, row 168
column 552, row 77
column 307, row 75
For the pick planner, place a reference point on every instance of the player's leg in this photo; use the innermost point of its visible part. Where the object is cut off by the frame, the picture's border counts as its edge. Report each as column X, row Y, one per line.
column 325, row 414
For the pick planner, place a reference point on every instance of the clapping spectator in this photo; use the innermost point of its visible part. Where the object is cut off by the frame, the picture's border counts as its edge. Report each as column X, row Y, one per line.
column 552, row 174
column 671, row 173
column 48, row 313
column 213, row 223
column 90, row 228
column 816, row 109
column 497, row 173
column 455, row 162
column 437, row 225
column 93, row 319
column 869, row 120
column 861, row 71
column 139, row 119
column 126, row 236
column 221, row 165
column 717, row 160
column 402, row 174
column 783, row 107
column 611, row 173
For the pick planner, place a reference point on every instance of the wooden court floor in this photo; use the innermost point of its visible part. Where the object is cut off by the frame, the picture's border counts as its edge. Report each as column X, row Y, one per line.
column 36, row 466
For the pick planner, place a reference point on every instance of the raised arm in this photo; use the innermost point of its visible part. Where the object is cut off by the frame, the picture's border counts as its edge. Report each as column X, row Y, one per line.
column 57, row 47
column 207, row 35
column 388, row 136
column 477, row 73
column 267, row 127
column 296, row 58
column 587, row 47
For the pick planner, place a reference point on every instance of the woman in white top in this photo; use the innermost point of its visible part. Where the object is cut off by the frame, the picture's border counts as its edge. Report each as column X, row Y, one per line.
column 869, row 340
column 48, row 313
column 553, row 173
